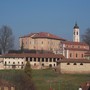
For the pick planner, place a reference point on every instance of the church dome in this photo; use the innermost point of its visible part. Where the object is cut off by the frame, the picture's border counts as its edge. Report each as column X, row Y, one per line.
column 76, row 26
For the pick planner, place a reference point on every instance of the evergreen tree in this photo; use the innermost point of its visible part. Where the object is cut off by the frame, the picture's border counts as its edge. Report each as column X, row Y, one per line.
column 28, row 69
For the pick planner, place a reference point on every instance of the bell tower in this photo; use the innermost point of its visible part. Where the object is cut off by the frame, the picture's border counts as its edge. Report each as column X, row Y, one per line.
column 76, row 37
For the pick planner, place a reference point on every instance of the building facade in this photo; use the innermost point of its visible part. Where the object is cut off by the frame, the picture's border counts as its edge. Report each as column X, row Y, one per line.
column 73, row 66
column 41, row 41
column 37, row 61
column 74, row 50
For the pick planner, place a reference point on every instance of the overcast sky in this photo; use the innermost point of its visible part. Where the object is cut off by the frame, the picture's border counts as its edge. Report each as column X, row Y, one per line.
column 54, row 16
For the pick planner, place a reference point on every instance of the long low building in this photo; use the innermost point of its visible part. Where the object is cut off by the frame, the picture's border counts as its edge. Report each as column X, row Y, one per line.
column 37, row 61
column 73, row 66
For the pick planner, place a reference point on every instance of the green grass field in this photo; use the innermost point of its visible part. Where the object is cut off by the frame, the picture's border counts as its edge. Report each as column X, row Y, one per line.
column 44, row 79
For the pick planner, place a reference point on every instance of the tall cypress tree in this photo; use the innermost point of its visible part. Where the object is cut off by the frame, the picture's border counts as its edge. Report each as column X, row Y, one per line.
column 28, row 69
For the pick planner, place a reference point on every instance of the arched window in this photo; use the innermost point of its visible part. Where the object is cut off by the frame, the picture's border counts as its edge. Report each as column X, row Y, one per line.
column 68, row 63
column 77, row 33
column 75, row 64
column 13, row 62
column 81, row 63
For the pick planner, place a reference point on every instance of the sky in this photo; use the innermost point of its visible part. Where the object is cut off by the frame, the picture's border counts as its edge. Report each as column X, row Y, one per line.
column 54, row 16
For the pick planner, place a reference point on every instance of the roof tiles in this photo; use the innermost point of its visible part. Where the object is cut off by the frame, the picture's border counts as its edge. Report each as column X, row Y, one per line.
column 43, row 35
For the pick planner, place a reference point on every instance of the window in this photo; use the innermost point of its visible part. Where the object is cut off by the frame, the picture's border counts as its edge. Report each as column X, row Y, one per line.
column 26, row 58
column 54, row 60
column 57, row 59
column 42, row 64
column 50, row 65
column 68, row 63
column 9, row 62
column 42, row 59
column 76, row 55
column 54, row 64
column 38, row 59
column 22, row 62
column 34, row 64
column 46, row 59
column 13, row 62
column 74, row 64
column 70, row 54
column 30, row 59
column 18, row 62
column 50, row 59
column 81, row 63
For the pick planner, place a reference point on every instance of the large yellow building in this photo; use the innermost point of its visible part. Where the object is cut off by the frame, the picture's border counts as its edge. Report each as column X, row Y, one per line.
column 41, row 41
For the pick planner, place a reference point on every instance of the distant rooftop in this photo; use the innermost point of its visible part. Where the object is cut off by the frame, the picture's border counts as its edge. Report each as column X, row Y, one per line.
column 43, row 35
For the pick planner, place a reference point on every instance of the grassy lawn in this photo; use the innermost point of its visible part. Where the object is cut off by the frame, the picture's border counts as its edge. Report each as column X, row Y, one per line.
column 44, row 79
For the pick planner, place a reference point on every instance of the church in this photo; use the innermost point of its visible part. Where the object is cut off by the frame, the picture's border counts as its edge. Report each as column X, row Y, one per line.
column 75, row 49
column 48, row 42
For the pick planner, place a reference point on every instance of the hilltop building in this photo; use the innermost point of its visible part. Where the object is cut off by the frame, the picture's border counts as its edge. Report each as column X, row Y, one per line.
column 41, row 41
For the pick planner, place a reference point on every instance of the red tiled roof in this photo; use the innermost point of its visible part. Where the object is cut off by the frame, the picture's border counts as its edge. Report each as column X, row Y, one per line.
column 33, row 55
column 76, row 49
column 74, row 43
column 29, row 35
column 43, row 35
column 74, row 61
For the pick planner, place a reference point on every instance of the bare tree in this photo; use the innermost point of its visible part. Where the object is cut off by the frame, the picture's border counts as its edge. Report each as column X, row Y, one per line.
column 86, row 37
column 6, row 39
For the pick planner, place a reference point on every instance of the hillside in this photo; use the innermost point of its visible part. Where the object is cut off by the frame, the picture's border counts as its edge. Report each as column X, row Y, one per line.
column 44, row 79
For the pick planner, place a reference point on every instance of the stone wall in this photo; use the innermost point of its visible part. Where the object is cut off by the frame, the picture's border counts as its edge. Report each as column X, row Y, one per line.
column 74, row 68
